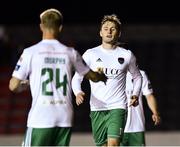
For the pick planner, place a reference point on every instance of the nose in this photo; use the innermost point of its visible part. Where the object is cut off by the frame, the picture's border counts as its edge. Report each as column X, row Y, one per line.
column 109, row 31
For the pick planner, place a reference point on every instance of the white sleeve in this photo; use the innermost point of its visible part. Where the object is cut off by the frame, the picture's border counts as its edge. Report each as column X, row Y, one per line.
column 136, row 75
column 77, row 78
column 87, row 56
column 80, row 65
column 22, row 67
column 146, row 86
column 76, row 83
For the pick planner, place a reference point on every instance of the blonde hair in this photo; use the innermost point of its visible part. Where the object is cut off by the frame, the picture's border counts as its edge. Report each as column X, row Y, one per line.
column 112, row 18
column 51, row 18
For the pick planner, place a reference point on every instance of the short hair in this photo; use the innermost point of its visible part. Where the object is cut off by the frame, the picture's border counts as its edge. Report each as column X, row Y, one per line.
column 51, row 18
column 112, row 18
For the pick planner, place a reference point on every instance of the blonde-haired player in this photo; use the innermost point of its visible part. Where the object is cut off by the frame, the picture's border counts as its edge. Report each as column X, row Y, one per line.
column 49, row 65
column 108, row 101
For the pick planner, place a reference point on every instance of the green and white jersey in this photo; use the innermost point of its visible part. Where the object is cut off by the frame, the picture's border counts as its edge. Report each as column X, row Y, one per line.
column 135, row 119
column 48, row 65
column 115, row 64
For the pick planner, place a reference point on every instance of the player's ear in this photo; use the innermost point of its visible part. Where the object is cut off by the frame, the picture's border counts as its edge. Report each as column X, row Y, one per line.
column 41, row 26
column 100, row 33
column 119, row 35
column 60, row 28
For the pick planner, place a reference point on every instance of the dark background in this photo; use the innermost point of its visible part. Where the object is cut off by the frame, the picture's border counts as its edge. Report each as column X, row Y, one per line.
column 90, row 11
column 157, row 51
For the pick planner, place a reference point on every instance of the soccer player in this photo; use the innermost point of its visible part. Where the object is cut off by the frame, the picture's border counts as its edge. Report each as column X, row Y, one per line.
column 134, row 133
column 49, row 65
column 108, row 102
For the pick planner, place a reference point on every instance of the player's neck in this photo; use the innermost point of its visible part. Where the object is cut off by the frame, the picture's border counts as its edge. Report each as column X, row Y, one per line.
column 108, row 46
column 48, row 35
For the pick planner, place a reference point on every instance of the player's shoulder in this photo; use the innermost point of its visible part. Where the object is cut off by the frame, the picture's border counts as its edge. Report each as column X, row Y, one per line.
column 143, row 73
column 124, row 51
column 30, row 49
column 70, row 49
column 34, row 46
column 92, row 50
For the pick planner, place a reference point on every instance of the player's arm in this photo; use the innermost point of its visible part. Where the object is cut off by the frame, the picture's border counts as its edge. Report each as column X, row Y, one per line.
column 76, row 87
column 137, row 80
column 77, row 80
column 17, row 85
column 80, row 98
column 96, row 76
column 150, row 98
column 152, row 103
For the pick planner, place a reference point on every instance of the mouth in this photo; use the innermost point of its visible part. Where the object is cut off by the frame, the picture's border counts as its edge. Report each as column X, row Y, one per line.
column 109, row 36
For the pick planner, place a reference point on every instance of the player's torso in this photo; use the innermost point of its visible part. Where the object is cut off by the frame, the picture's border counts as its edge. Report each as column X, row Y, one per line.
column 51, row 65
column 114, row 64
column 50, row 77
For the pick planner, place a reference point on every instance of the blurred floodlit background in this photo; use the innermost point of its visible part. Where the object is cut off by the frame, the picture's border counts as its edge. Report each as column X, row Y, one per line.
column 151, row 30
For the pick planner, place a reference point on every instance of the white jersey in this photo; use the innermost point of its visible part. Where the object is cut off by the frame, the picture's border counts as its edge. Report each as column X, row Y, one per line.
column 115, row 64
column 135, row 119
column 48, row 65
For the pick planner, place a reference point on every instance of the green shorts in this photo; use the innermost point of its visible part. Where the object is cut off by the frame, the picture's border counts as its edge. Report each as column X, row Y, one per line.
column 133, row 139
column 47, row 137
column 107, row 124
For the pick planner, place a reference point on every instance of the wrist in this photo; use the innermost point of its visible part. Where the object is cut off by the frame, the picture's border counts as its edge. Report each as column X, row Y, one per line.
column 156, row 113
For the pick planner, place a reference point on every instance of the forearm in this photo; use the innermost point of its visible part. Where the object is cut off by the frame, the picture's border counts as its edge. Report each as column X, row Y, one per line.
column 137, row 85
column 91, row 75
column 76, row 83
column 96, row 76
column 152, row 103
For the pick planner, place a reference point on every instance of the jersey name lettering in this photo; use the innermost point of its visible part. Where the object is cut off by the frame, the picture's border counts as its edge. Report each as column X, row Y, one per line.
column 51, row 60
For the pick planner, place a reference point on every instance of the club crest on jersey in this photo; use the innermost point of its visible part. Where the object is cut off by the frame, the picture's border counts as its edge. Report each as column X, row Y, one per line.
column 121, row 60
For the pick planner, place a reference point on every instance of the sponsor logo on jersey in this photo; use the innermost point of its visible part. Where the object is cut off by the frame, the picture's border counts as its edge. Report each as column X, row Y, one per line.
column 17, row 67
column 112, row 73
column 121, row 60
column 54, row 102
column 99, row 60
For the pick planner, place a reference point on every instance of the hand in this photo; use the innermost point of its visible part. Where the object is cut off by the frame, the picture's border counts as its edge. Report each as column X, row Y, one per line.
column 102, row 75
column 156, row 119
column 80, row 98
column 134, row 101
column 24, row 85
